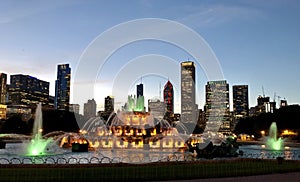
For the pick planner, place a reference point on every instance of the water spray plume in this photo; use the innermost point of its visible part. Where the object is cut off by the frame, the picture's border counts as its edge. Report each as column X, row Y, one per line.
column 38, row 145
column 272, row 142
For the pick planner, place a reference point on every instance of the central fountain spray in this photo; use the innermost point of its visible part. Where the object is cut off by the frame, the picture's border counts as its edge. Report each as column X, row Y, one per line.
column 272, row 142
column 37, row 145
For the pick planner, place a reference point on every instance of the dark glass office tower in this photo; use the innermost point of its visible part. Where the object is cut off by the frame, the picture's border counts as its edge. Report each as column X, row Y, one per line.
column 62, row 87
column 240, row 101
column 139, row 90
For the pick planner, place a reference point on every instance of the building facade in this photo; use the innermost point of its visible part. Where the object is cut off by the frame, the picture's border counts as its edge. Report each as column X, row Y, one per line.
column 74, row 108
column 23, row 110
column 62, row 87
column 240, row 97
column 263, row 106
column 3, row 111
column 169, row 97
column 157, row 108
column 139, row 90
column 109, row 105
column 3, row 83
column 217, row 107
column 28, row 90
column 188, row 93
column 140, row 105
column 89, row 110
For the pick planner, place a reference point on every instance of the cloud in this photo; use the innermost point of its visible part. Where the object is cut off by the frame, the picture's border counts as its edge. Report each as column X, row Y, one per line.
column 17, row 67
column 11, row 11
column 219, row 14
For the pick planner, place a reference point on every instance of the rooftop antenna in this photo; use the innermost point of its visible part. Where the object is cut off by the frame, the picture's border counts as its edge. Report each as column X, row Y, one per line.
column 263, row 91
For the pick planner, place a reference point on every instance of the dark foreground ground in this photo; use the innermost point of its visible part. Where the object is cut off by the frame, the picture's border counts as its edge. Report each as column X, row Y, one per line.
column 281, row 177
column 204, row 170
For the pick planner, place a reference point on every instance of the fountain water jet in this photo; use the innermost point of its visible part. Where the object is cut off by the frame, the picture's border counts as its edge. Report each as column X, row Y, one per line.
column 37, row 145
column 272, row 142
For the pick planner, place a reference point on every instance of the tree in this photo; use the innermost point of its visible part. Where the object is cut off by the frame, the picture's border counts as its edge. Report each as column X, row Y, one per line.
column 286, row 118
column 15, row 124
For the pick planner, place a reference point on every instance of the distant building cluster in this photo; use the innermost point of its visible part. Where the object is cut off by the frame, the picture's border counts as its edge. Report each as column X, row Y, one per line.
column 23, row 92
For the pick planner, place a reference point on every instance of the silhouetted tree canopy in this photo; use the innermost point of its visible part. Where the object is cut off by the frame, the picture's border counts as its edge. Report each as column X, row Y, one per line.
column 53, row 120
column 15, row 124
column 286, row 118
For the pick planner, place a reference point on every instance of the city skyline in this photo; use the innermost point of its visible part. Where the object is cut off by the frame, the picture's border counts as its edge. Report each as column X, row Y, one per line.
column 256, row 45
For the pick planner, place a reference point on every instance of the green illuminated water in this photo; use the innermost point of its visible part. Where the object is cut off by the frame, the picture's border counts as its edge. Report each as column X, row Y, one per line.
column 135, row 104
column 272, row 141
column 38, row 145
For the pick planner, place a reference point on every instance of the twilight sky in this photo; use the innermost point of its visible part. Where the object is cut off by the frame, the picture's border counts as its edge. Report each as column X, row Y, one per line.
column 256, row 42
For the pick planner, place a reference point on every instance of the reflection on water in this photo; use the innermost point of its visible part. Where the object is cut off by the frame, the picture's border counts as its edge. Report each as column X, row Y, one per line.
column 257, row 151
column 289, row 155
column 65, row 156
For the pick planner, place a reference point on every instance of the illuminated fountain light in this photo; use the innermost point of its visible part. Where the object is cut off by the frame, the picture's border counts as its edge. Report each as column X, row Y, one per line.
column 133, row 128
column 96, row 126
column 38, row 145
column 135, row 103
column 272, row 142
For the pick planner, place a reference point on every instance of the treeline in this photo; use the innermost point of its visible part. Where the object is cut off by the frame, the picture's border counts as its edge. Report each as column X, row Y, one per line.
column 286, row 118
column 53, row 120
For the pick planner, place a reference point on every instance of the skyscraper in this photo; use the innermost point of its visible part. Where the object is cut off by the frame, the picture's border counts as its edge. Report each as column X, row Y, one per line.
column 139, row 90
column 90, row 109
column 139, row 100
column 3, row 83
column 188, row 96
column 157, row 108
column 169, row 96
column 217, row 107
column 62, row 87
column 109, row 105
column 240, row 101
column 28, row 90
column 74, row 108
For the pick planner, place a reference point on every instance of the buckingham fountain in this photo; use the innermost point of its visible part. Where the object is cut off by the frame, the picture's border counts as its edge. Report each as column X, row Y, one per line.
column 133, row 128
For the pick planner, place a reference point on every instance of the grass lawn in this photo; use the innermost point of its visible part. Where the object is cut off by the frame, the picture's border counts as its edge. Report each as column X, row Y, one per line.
column 145, row 172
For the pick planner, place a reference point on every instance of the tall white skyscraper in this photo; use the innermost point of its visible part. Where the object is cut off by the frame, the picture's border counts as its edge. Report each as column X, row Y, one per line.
column 188, row 95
